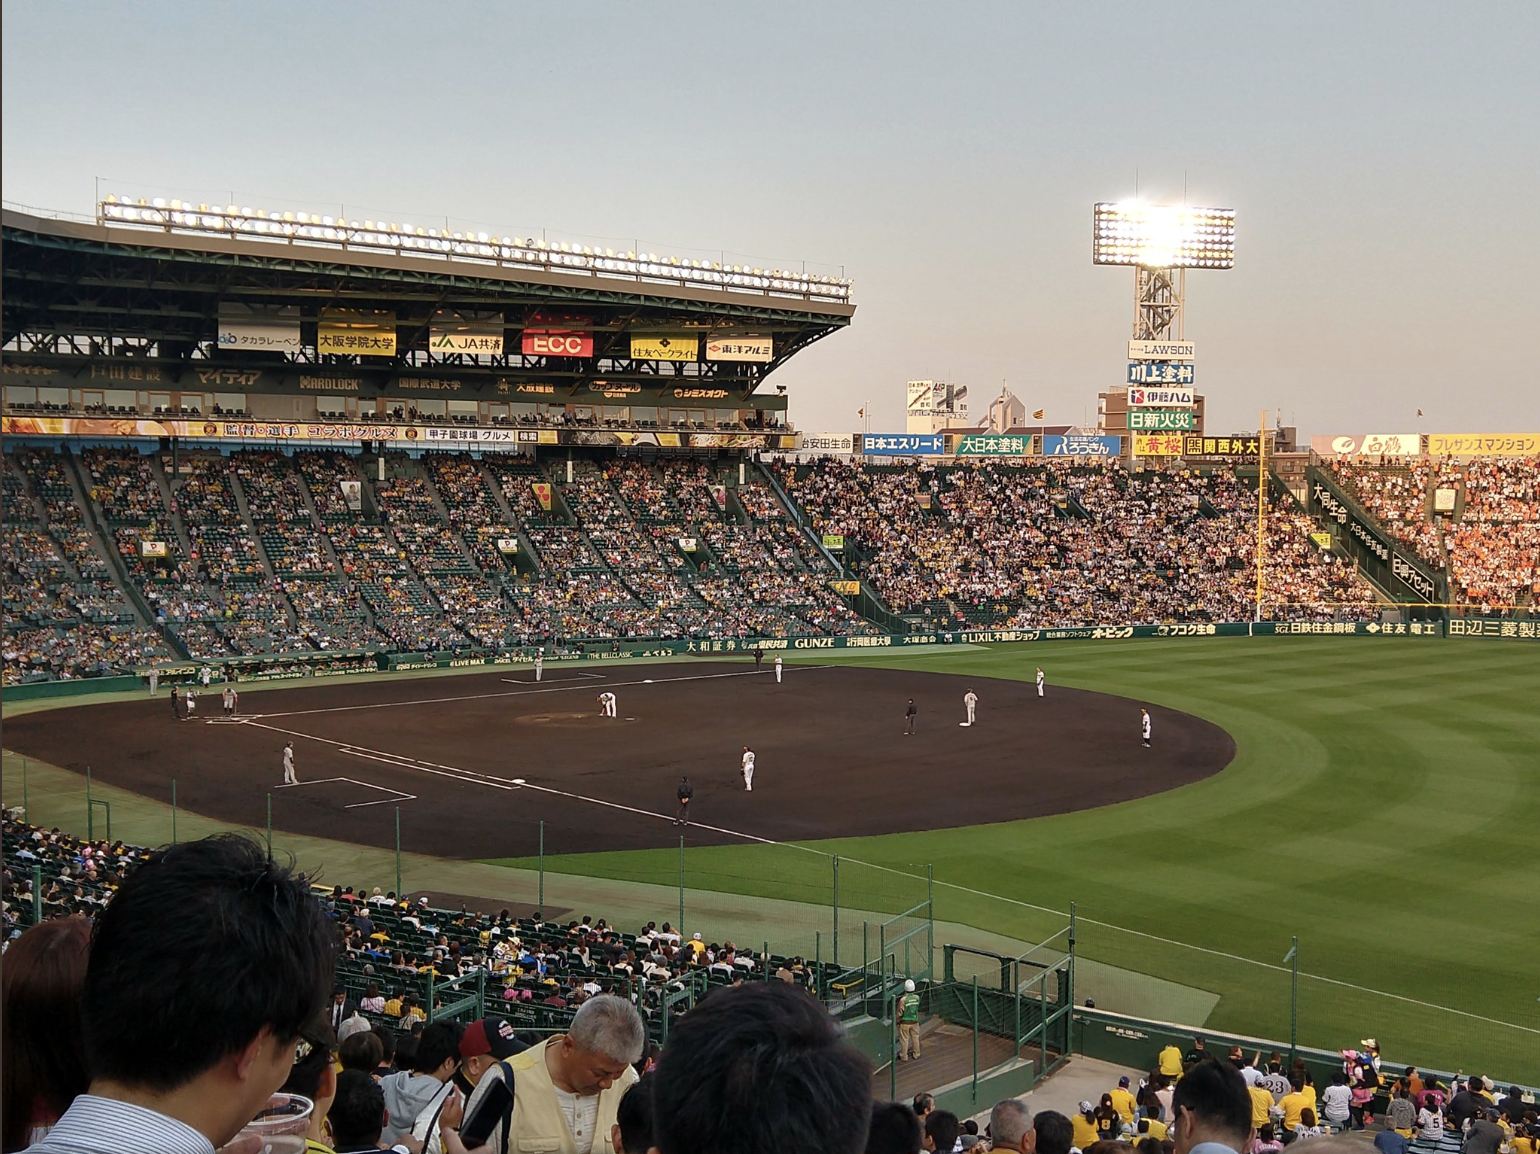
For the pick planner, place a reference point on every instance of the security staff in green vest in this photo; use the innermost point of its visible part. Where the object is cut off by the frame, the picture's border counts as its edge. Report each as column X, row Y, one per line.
column 908, row 1022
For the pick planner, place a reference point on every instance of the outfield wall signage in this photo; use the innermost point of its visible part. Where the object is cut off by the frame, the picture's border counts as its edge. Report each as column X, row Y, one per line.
column 1498, row 629
column 1221, row 448
column 1082, row 446
column 753, row 349
column 477, row 338
column 1157, row 444
column 248, row 333
column 1491, row 444
column 358, row 334
column 556, row 343
column 840, row 443
column 903, row 444
column 1162, row 420
column 665, row 347
column 1161, row 350
column 993, row 445
column 1160, row 373
column 1161, row 396
column 1368, row 445
column 1400, row 568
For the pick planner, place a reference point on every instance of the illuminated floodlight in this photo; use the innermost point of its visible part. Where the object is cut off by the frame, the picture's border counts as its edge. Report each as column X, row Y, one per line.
column 1163, row 236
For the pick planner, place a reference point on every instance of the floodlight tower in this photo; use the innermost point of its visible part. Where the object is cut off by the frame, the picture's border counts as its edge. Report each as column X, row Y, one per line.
column 1162, row 242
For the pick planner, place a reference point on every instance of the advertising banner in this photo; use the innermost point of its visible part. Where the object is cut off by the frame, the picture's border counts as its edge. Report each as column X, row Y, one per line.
column 1157, row 444
column 1138, row 395
column 1160, row 373
column 250, row 333
column 902, row 444
column 1321, row 539
column 473, row 337
column 1493, row 628
column 507, row 545
column 1490, row 444
column 352, row 495
column 846, row 588
column 1162, row 420
column 556, row 343
column 542, row 491
column 357, row 334
column 719, row 495
column 1228, row 448
column 993, row 445
column 834, row 542
column 665, row 347
column 537, row 436
column 153, row 550
column 840, row 443
column 1161, row 350
column 1360, row 530
column 757, row 349
column 1082, row 446
column 1444, row 499
column 1370, row 445
column 688, row 544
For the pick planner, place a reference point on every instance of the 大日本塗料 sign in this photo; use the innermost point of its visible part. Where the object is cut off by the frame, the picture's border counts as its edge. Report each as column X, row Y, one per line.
column 993, row 445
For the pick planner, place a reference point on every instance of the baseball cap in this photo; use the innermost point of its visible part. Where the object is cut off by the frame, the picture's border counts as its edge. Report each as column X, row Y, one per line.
column 695, row 937
column 1487, row 1084
column 489, row 1036
column 1085, row 1106
column 1123, row 1081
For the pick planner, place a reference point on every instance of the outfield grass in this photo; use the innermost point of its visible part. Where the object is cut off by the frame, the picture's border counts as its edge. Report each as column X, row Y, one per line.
column 1383, row 806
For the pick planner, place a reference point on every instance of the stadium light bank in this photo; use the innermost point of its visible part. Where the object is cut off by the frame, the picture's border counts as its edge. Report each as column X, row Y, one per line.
column 478, row 247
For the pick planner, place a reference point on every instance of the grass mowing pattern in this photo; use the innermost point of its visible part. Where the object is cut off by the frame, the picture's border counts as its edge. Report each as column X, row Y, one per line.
column 1383, row 805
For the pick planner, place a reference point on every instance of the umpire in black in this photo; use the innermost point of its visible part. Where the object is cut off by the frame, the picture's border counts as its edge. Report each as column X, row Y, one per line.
column 684, row 793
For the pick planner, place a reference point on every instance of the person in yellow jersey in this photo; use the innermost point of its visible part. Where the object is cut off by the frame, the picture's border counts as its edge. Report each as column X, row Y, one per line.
column 1170, row 1061
column 1293, row 1104
column 1150, row 1125
column 1084, row 1126
column 1123, row 1101
column 1261, row 1105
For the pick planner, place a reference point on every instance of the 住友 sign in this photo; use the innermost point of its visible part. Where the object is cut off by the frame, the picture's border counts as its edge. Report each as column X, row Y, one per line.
column 665, row 347
column 1161, row 350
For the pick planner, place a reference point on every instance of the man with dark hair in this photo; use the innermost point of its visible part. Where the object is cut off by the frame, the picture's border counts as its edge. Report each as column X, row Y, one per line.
column 684, row 793
column 923, row 1105
column 205, row 971
column 1055, row 1133
column 893, row 1129
column 1211, row 1111
column 761, row 1069
column 357, row 1113
column 422, row 1085
column 941, row 1130
column 313, row 1076
column 632, row 1131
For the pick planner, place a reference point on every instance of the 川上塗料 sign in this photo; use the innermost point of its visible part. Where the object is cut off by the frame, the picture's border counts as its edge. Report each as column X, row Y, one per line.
column 1160, row 373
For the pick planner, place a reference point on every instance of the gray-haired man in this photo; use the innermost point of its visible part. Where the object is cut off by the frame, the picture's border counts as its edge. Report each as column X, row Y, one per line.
column 569, row 1087
column 1010, row 1127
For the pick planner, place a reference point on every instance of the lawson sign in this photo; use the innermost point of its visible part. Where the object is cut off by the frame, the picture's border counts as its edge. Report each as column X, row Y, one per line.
column 1082, row 446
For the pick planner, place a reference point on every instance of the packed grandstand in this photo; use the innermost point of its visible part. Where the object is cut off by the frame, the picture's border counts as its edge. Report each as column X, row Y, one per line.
column 258, row 554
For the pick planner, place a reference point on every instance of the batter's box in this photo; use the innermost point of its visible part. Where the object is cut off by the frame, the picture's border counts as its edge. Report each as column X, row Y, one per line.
column 366, row 793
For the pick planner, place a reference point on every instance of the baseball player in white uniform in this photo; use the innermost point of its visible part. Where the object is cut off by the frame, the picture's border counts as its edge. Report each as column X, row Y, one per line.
column 1039, row 680
column 607, row 704
column 203, row 677
column 289, row 776
column 777, row 670
column 970, row 703
column 540, row 663
column 1144, row 726
column 229, row 700
column 748, row 769
column 192, row 704
column 154, row 681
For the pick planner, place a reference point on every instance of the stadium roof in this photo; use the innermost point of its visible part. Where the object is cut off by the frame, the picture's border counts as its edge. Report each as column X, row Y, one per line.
column 78, row 290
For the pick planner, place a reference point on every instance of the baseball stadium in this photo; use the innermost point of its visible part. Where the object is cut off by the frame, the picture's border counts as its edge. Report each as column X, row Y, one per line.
column 336, row 531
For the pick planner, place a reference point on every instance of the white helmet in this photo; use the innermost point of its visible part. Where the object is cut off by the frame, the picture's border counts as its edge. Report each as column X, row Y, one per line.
column 908, row 985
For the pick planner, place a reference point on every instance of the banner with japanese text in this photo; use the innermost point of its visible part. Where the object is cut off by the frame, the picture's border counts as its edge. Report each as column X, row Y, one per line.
column 755, row 349
column 1488, row 444
column 993, row 445
column 1082, row 445
column 665, row 347
column 903, row 444
column 1157, row 444
column 359, row 334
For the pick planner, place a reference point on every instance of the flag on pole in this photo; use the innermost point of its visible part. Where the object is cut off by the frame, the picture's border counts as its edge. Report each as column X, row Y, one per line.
column 860, row 412
column 1038, row 416
column 1419, row 412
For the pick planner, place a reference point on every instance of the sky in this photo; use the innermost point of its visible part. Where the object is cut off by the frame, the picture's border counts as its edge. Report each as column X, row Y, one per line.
column 1382, row 159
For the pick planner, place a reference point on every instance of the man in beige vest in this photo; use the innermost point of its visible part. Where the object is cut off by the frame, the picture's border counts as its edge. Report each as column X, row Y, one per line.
column 566, row 1090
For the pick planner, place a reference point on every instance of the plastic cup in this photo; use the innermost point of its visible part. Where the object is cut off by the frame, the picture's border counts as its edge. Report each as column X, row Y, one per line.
column 282, row 1124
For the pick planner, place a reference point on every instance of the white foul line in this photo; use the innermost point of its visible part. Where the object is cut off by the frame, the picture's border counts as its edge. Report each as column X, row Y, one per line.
column 398, row 795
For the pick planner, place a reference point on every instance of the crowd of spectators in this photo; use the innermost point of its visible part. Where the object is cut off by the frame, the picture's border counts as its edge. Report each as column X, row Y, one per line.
column 1065, row 543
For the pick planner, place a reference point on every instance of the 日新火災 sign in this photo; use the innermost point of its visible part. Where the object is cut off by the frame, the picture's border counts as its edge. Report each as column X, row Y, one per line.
column 1160, row 373
column 1162, row 420
column 1160, row 350
column 1141, row 395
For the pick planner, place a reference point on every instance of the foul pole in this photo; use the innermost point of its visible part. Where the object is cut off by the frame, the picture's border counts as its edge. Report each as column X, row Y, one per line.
column 1261, row 504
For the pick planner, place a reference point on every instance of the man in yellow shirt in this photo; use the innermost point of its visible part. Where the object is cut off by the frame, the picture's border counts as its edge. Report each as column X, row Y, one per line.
column 1170, row 1061
column 1261, row 1106
column 1123, row 1101
column 1150, row 1126
column 1293, row 1102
